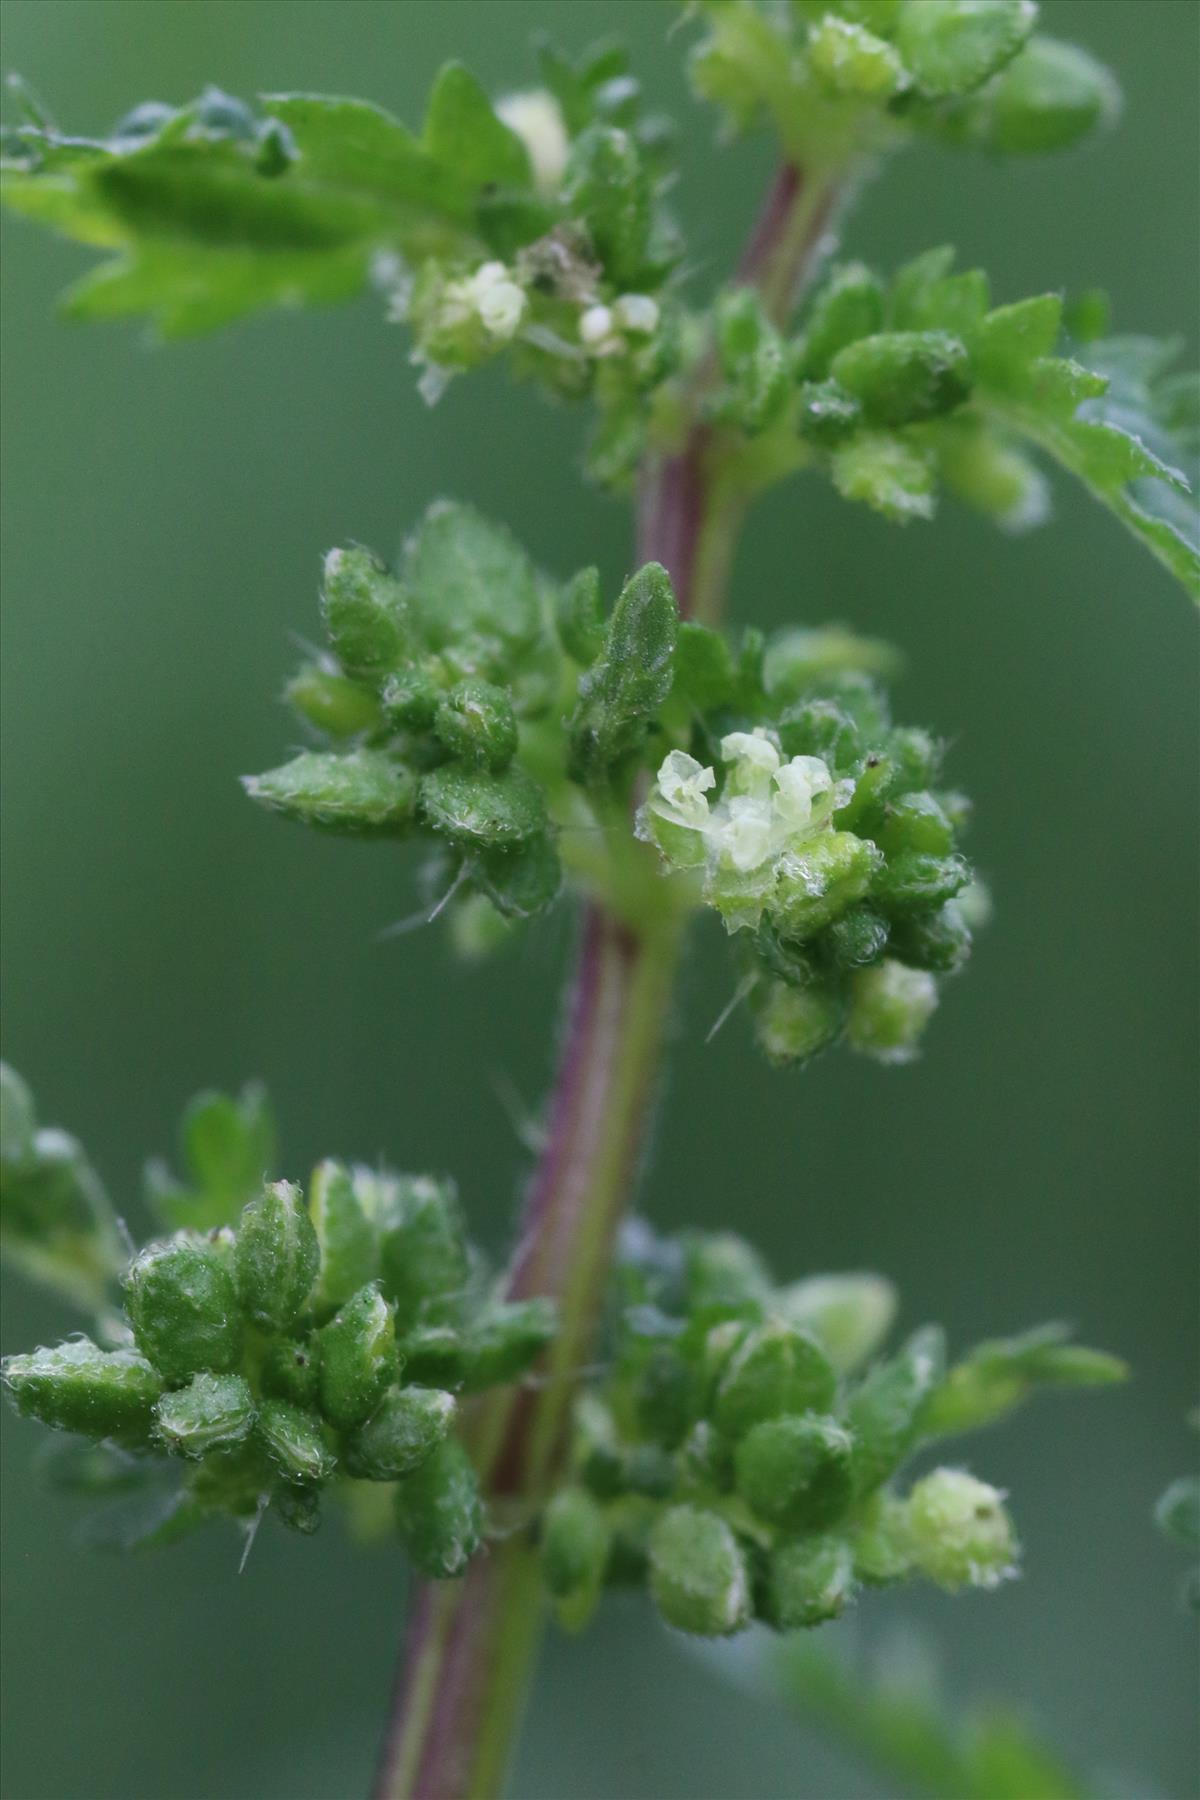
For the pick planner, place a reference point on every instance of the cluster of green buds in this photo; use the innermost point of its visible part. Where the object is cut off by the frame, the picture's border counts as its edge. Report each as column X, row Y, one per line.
column 305, row 1346
column 837, row 77
column 829, row 845
column 740, row 1458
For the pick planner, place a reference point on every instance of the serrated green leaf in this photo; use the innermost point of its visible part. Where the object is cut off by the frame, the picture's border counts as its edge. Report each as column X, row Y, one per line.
column 462, row 133
column 953, row 46
column 703, row 676
column 228, row 1150
column 998, row 1375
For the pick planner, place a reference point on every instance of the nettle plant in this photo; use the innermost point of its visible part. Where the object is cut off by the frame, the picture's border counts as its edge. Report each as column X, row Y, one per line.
column 609, row 1406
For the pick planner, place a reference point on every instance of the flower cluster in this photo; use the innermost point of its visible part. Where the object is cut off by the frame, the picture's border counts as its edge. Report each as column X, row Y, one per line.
column 302, row 1347
column 740, row 1462
column 828, row 845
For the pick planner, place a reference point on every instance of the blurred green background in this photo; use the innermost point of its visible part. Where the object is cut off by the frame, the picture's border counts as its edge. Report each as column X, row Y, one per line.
column 163, row 515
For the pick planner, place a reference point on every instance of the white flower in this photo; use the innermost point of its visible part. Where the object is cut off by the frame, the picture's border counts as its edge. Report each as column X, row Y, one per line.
column 754, row 760
column 537, row 119
column 637, row 312
column 496, row 298
column 741, row 832
column 682, row 784
column 596, row 330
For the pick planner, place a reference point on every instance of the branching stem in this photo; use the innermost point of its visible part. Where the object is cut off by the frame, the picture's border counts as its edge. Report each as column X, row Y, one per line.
column 470, row 1645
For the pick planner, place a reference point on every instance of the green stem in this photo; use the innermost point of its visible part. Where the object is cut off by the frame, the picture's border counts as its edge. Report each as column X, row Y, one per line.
column 470, row 1645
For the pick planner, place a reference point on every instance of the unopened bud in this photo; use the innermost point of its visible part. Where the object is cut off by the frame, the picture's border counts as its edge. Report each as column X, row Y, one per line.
column 358, row 1358
column 775, row 1369
column 78, row 1387
column 439, row 1512
column 698, row 1574
column 960, row 1533
column 409, row 1425
column 277, row 1256
column 213, row 1412
column 183, row 1307
column 810, row 1580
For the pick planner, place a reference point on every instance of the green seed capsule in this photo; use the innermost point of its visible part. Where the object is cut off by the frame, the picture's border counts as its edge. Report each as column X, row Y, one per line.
column 333, row 702
column 346, row 1240
column 478, row 810
column 409, row 1425
column 856, row 940
column 810, row 1580
column 79, row 1387
column 916, row 822
column 576, row 1539
column 277, row 1256
column 821, row 880
column 795, row 1471
column 939, row 941
column 212, row 1413
column 505, row 1339
column 358, row 1358
column 424, row 1261
column 476, row 723
column 884, row 1413
column 959, row 1531
column 182, row 1305
column 295, row 1442
column 365, row 611
column 698, row 1575
column 440, row 1514
column 774, row 1370
column 901, row 377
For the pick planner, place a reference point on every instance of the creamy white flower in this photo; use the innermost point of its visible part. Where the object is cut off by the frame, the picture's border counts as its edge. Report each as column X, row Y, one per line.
column 683, row 783
column 741, row 832
column 797, row 785
column 637, row 312
column 537, row 119
column 753, row 759
column 497, row 299
column 596, row 329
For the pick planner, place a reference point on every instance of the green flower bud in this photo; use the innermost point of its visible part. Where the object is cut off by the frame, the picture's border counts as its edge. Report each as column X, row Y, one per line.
column 939, row 941
column 295, row 1442
column 819, row 881
column 1049, row 97
column 916, row 822
column 900, row 377
column 820, row 727
column 410, row 699
column 183, row 1307
column 698, row 1575
column 849, row 306
column 607, row 186
column 793, row 1023
column 407, row 1428
column 959, row 1531
column 665, row 1397
column 332, row 701
column 856, row 940
column 885, row 1413
column 889, row 473
column 723, row 1273
column 439, row 1512
column 476, row 809
column 475, row 722
column 848, row 60
column 849, row 1315
column 358, row 1358
column 434, row 1356
column 505, row 1339
column 890, row 1007
column 366, row 613
column 277, row 1256
column 423, row 1251
column 519, row 882
column 597, row 1453
column 576, row 1538
column 795, row 1471
column 810, row 1581
column 882, row 1548
column 291, row 1369
column 775, row 1369
column 579, row 613
column 362, row 792
column 827, row 415
column 79, row 1387
column 299, row 1508
column 56, row 1222
column 346, row 1243
column 212, row 1413
column 914, row 880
